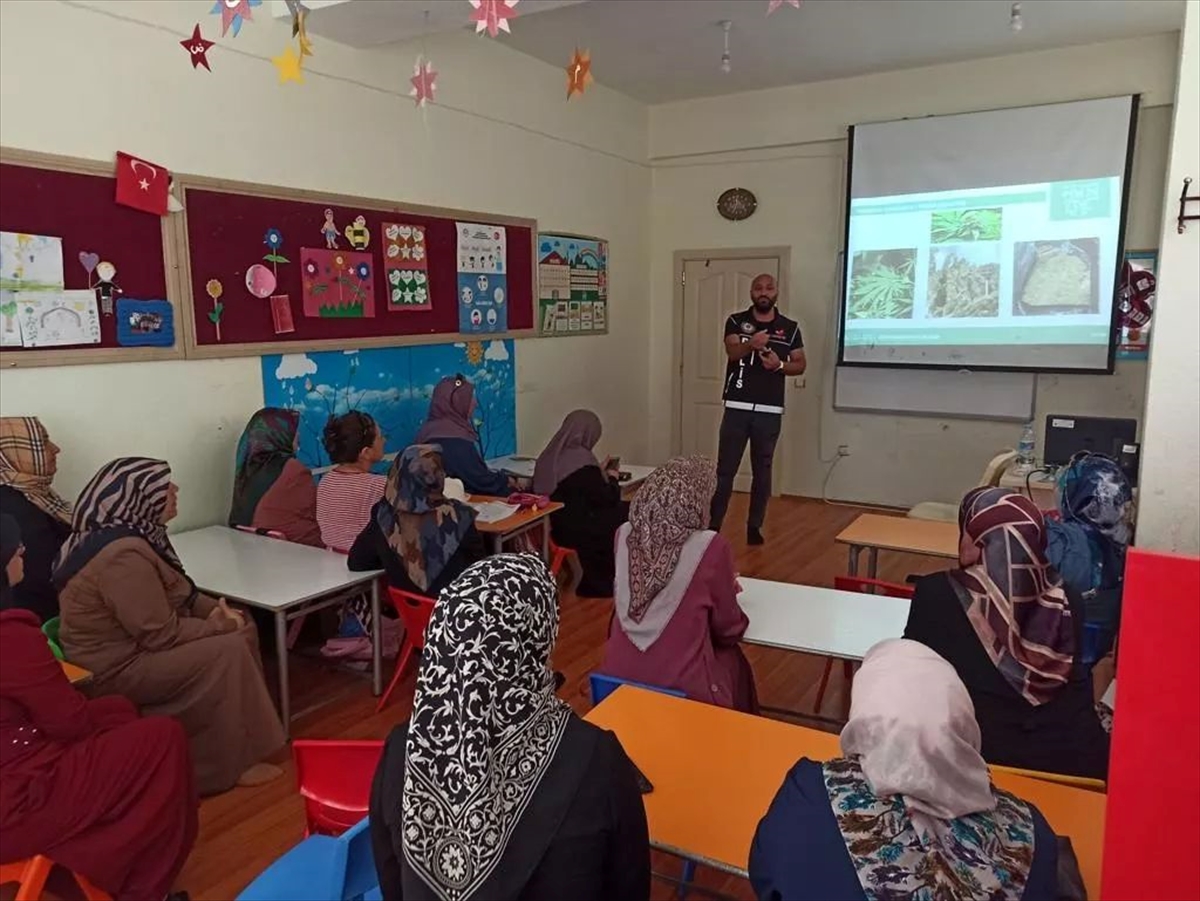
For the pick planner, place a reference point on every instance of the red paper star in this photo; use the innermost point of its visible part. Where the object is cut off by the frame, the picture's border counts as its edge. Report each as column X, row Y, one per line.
column 423, row 81
column 579, row 73
column 493, row 15
column 197, row 48
column 773, row 5
column 232, row 10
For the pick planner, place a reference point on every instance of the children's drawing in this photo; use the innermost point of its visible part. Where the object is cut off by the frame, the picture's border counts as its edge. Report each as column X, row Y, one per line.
column 406, row 267
column 337, row 283
column 89, row 261
column 106, row 287
column 329, row 231
column 215, row 289
column 145, row 323
column 58, row 318
column 30, row 262
column 358, row 234
column 10, row 328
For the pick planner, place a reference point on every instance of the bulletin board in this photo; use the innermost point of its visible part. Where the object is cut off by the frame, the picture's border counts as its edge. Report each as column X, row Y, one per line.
column 572, row 285
column 268, row 269
column 67, row 205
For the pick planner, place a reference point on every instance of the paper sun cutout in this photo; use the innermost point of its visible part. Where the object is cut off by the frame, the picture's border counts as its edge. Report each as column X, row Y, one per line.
column 197, row 48
column 288, row 65
column 579, row 73
column 493, row 15
column 233, row 13
column 424, row 81
column 773, row 5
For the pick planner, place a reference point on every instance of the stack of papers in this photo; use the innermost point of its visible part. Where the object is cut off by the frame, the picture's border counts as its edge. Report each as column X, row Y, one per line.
column 493, row 511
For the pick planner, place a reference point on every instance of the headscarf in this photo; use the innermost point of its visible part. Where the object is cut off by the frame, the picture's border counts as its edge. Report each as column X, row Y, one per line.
column 423, row 528
column 449, row 412
column 266, row 445
column 569, row 451
column 10, row 540
column 1013, row 598
column 125, row 498
column 1094, row 492
column 486, row 723
column 671, row 506
column 23, row 441
column 913, row 798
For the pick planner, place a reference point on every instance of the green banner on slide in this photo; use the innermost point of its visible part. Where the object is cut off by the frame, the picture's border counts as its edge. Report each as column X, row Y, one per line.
column 868, row 208
column 990, row 334
column 1086, row 199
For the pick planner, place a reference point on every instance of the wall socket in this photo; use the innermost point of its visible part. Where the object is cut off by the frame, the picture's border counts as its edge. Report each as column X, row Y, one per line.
column 843, row 450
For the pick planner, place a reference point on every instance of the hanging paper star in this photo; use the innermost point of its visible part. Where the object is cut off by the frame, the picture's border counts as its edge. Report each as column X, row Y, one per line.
column 300, row 31
column 424, row 81
column 288, row 65
column 493, row 15
column 579, row 73
column 297, row 9
column 197, row 48
column 773, row 5
column 233, row 13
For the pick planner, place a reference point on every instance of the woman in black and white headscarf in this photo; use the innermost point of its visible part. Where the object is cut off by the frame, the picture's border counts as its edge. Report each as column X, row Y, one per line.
column 509, row 795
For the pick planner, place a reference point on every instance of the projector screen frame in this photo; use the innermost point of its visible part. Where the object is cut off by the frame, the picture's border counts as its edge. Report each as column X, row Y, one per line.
column 1113, row 327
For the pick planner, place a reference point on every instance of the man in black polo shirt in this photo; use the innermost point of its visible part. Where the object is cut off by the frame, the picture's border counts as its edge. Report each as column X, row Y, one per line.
column 764, row 348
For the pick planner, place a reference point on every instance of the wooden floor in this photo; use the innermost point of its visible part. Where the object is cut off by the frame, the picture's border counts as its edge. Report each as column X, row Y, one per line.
column 245, row 829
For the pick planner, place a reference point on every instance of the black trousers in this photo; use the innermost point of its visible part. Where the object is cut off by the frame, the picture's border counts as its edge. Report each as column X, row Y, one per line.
column 762, row 431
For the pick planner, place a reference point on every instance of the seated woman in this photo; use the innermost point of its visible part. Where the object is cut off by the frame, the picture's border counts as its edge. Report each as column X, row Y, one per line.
column 419, row 537
column 347, row 493
column 272, row 490
column 449, row 426
column 86, row 783
column 909, row 810
column 132, row 616
column 28, row 461
column 678, row 622
column 1011, row 631
column 544, row 805
column 568, row 472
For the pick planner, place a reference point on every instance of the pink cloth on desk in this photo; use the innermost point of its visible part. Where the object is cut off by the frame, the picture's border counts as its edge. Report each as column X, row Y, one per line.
column 697, row 651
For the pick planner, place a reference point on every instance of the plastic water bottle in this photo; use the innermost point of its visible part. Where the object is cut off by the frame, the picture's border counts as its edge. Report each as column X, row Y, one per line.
column 1025, row 449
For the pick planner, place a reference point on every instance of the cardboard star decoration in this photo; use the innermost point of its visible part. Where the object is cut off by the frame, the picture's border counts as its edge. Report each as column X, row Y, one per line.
column 773, row 5
column 300, row 32
column 424, row 81
column 288, row 65
column 197, row 48
column 493, row 15
column 579, row 73
column 233, row 13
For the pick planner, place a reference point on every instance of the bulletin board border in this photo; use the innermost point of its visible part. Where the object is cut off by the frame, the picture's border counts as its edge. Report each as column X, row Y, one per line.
column 195, row 351
column 14, row 359
column 537, row 300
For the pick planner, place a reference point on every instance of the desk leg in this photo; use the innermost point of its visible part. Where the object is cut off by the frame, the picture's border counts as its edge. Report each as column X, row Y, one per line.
column 376, row 640
column 872, row 562
column 546, row 541
column 281, row 650
column 854, row 552
column 497, row 543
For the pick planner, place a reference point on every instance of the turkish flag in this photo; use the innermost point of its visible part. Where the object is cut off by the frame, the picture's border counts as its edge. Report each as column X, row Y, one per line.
column 142, row 185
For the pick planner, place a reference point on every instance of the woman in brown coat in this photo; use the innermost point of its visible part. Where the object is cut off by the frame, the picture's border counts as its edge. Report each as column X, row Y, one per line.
column 132, row 616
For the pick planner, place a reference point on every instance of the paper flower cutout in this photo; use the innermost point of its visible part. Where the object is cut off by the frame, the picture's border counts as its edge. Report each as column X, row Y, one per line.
column 579, row 73
column 424, row 81
column 773, row 5
column 288, row 65
column 363, row 271
column 493, row 15
column 273, row 239
column 233, row 13
column 214, row 290
column 197, row 48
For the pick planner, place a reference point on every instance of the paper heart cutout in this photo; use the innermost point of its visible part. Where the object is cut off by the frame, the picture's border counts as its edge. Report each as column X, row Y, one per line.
column 89, row 260
column 420, row 276
column 397, row 295
column 418, row 253
column 393, row 251
column 421, row 295
column 418, row 234
column 394, row 276
column 392, row 232
column 406, row 231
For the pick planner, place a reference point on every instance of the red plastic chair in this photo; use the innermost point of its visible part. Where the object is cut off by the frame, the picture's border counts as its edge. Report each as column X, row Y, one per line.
column 560, row 555
column 866, row 586
column 334, row 778
column 31, row 875
column 414, row 610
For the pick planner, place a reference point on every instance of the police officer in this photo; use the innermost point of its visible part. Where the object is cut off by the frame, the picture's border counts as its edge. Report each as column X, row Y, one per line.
column 764, row 348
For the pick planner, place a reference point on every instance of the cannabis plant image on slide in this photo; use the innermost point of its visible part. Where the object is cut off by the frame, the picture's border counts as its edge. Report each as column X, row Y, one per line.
column 949, row 226
column 881, row 284
column 964, row 281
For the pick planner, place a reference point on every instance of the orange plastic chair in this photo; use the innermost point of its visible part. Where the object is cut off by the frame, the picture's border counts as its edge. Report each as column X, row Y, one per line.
column 334, row 778
column 866, row 586
column 558, row 556
column 414, row 610
column 31, row 875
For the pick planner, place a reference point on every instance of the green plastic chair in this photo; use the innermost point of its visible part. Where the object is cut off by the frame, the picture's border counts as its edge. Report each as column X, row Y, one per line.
column 50, row 630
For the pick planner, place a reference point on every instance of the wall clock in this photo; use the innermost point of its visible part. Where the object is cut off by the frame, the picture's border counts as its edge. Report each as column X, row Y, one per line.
column 737, row 204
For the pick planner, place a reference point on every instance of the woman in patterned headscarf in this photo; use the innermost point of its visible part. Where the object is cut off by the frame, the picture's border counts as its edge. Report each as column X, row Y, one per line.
column 272, row 490
column 28, row 462
column 678, row 622
column 908, row 810
column 421, row 538
column 494, row 788
column 131, row 615
column 1012, row 631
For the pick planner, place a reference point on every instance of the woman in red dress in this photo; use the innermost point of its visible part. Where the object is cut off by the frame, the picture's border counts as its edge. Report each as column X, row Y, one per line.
column 87, row 783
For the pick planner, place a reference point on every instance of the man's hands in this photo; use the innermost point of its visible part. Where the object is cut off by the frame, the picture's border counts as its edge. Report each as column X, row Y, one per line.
column 770, row 359
column 759, row 340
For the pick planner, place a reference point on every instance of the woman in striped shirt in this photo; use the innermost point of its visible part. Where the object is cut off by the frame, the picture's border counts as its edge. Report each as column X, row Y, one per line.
column 346, row 494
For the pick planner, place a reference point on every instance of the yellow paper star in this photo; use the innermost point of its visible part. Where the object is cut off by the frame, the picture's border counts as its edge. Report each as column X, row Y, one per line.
column 288, row 65
column 579, row 73
column 302, row 36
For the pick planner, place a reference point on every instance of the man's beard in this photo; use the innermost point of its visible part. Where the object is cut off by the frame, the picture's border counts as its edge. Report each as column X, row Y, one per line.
column 764, row 304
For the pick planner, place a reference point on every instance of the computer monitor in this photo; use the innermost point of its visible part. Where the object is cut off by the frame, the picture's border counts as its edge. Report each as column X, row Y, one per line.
column 1067, row 435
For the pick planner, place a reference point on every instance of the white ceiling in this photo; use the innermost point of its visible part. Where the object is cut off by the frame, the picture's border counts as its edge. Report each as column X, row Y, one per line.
column 663, row 50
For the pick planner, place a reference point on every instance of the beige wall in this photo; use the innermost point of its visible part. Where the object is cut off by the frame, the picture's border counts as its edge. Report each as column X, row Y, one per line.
column 74, row 80
column 787, row 146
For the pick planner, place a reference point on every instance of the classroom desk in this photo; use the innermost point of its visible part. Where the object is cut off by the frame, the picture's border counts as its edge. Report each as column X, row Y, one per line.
column 519, row 523
column 285, row 579
column 1042, row 487
column 715, row 772
column 76, row 675
column 824, row 621
column 897, row 533
column 522, row 467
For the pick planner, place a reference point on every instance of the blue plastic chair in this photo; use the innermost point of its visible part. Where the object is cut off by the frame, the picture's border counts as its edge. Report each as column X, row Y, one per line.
column 321, row 868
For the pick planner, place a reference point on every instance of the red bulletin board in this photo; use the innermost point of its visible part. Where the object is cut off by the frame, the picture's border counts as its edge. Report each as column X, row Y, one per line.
column 227, row 225
column 74, row 199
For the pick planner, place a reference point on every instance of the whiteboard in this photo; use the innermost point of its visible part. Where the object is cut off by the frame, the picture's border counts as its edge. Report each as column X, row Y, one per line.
column 935, row 392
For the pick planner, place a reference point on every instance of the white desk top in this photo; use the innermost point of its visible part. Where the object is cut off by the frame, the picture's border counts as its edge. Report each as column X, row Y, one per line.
column 1038, row 481
column 522, row 467
column 821, row 621
column 260, row 571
